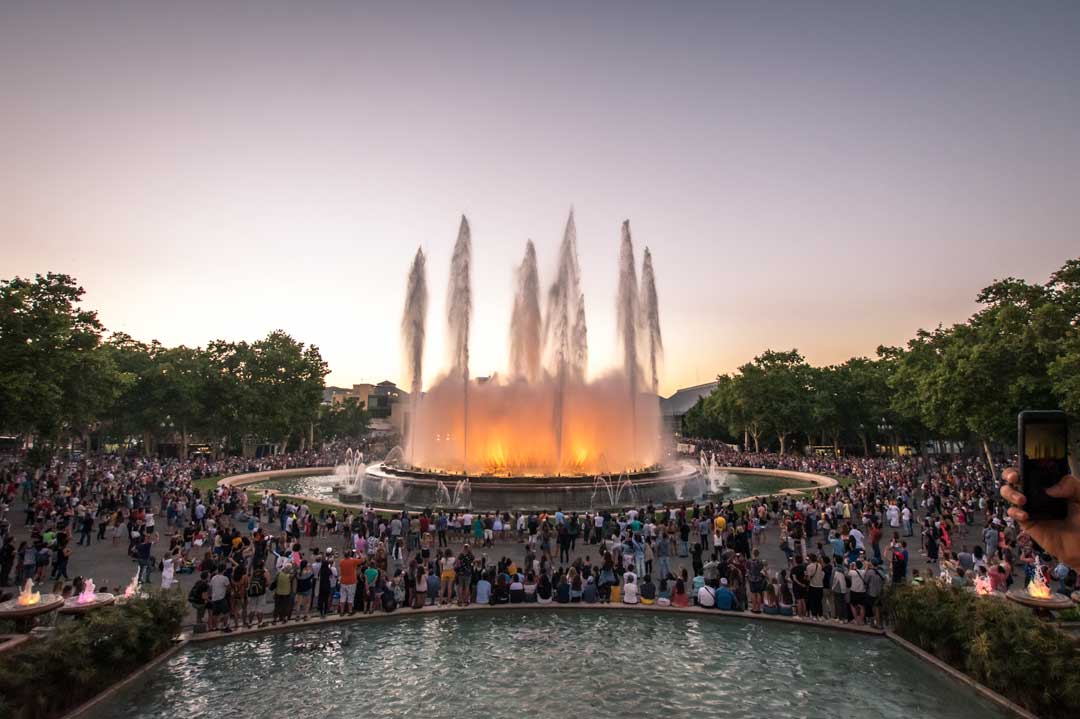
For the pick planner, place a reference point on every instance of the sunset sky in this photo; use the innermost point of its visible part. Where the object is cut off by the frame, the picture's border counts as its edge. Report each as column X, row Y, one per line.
column 826, row 176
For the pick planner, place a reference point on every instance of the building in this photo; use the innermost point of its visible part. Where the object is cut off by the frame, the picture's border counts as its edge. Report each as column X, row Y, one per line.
column 383, row 401
column 674, row 407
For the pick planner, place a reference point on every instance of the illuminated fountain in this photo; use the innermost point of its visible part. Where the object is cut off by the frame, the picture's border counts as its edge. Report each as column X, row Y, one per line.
column 545, row 434
column 131, row 591
column 983, row 586
column 28, row 605
column 1037, row 594
column 87, row 600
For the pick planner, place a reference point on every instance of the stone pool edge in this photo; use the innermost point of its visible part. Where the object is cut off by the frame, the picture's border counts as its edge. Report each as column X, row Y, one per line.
column 334, row 620
column 814, row 481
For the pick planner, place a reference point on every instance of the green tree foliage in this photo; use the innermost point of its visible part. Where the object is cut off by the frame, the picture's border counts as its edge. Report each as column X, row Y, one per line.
column 55, row 673
column 344, row 420
column 54, row 375
column 58, row 377
column 1021, row 350
column 995, row 642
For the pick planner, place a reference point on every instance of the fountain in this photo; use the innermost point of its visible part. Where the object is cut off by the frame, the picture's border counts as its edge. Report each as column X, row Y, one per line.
column 546, row 432
column 983, row 586
column 716, row 480
column 131, row 591
column 1038, row 594
column 459, row 498
column 28, row 605
column 613, row 490
column 351, row 471
column 87, row 600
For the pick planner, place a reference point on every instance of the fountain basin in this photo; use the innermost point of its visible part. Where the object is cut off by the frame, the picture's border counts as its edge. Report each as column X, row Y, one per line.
column 515, row 658
column 72, row 607
column 1055, row 601
column 11, row 609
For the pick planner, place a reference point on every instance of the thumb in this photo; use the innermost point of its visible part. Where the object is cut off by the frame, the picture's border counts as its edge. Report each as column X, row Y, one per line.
column 1067, row 488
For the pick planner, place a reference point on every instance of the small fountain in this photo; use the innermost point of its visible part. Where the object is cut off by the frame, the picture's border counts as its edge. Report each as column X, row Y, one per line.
column 613, row 491
column 28, row 605
column 716, row 480
column 131, row 591
column 983, row 586
column 1038, row 594
column 87, row 600
column 351, row 471
column 459, row 498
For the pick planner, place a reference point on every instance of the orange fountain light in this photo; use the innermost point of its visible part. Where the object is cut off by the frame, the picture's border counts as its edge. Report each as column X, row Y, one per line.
column 28, row 597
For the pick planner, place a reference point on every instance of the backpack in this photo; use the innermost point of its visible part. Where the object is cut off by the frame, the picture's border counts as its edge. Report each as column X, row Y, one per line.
column 257, row 588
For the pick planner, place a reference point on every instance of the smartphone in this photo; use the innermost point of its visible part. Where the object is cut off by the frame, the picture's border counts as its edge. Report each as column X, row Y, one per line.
column 1043, row 443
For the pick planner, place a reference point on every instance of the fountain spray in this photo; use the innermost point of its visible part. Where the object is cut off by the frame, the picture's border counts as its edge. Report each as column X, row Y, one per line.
column 650, row 319
column 628, row 318
column 413, row 321
column 525, row 321
column 458, row 316
column 566, row 338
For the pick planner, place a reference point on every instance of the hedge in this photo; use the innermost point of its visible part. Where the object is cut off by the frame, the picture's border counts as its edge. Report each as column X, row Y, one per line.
column 994, row 641
column 50, row 676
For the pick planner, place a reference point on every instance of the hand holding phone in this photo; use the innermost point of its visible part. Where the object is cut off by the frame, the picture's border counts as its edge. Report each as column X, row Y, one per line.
column 1043, row 447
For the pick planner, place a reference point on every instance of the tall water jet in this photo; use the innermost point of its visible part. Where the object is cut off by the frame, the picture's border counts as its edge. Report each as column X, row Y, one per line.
column 565, row 334
column 628, row 318
column 413, row 321
column 458, row 317
column 650, row 320
column 525, row 321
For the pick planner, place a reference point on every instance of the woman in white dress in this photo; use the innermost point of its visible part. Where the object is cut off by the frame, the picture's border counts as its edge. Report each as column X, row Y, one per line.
column 168, row 570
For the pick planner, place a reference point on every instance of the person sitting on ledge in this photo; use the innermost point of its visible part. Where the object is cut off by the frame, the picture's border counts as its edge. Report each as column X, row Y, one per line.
column 589, row 595
column 706, row 596
column 679, row 597
column 663, row 596
column 648, row 591
column 725, row 598
column 630, row 589
column 543, row 590
column 517, row 590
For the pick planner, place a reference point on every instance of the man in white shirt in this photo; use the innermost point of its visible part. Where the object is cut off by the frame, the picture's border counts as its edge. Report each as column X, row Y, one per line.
column 706, row 596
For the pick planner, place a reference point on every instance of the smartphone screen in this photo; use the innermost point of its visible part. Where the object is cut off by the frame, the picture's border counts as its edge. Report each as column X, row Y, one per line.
column 1044, row 460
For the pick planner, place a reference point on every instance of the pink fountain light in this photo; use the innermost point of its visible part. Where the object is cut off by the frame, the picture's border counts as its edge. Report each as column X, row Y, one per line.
column 87, row 595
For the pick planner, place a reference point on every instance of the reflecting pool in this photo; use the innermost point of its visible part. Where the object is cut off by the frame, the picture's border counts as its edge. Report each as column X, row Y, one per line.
column 550, row 663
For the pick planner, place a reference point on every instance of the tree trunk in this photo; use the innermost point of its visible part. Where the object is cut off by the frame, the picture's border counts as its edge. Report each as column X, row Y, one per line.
column 836, row 444
column 989, row 458
column 865, row 443
column 183, row 442
column 782, row 437
column 746, row 439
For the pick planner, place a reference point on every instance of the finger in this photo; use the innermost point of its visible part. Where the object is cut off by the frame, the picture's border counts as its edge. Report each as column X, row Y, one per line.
column 1018, row 514
column 1068, row 488
column 1011, row 495
column 1011, row 475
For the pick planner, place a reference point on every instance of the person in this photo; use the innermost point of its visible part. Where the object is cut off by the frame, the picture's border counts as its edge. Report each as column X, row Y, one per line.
column 198, row 597
column 630, row 594
column 219, row 600
column 1059, row 537
column 679, row 596
column 326, row 583
column 169, row 565
column 284, row 590
column 725, row 598
column 347, row 572
column 706, row 596
column 648, row 590
column 483, row 591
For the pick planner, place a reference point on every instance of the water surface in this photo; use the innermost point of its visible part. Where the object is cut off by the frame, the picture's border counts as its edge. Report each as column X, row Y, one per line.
column 566, row 663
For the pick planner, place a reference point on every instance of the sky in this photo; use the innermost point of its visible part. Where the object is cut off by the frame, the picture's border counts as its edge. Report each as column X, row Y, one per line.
column 824, row 176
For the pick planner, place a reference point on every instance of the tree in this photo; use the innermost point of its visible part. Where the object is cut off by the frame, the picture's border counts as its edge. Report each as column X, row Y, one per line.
column 53, row 375
column 775, row 391
column 345, row 420
column 287, row 385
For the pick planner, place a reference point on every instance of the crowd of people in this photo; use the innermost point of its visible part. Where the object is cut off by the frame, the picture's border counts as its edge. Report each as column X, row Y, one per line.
column 273, row 559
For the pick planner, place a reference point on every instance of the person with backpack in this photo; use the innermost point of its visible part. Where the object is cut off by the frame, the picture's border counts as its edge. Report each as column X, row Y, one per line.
column 256, row 592
column 199, row 596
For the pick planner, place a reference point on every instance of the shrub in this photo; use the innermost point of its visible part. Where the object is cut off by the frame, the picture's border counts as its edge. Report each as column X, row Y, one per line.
column 1000, row 644
column 49, row 676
